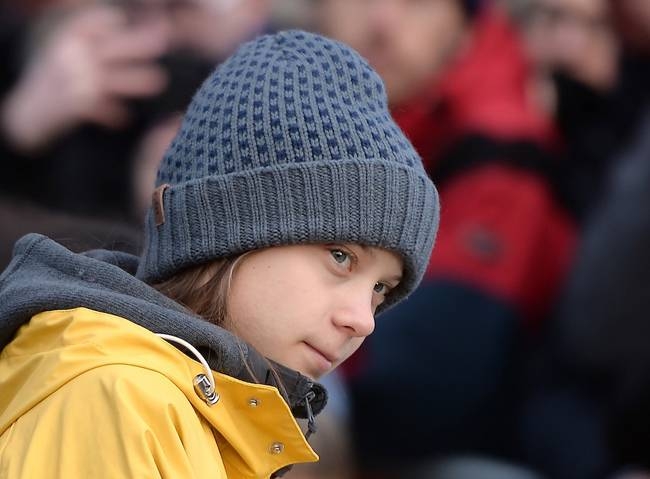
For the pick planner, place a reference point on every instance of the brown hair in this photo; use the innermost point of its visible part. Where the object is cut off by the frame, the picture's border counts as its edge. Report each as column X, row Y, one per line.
column 203, row 289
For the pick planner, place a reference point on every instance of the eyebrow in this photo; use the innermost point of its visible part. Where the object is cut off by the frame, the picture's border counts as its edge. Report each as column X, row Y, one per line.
column 370, row 251
column 397, row 278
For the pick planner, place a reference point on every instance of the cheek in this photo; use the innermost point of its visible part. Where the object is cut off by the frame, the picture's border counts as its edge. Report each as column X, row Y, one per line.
column 250, row 303
column 269, row 302
column 282, row 296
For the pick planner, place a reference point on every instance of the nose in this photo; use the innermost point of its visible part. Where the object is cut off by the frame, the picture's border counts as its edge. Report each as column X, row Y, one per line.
column 355, row 314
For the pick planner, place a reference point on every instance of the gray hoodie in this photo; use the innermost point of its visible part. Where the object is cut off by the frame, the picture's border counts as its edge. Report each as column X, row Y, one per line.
column 45, row 276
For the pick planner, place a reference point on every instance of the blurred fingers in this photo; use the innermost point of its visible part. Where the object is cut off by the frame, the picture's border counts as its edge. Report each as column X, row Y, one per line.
column 133, row 80
column 95, row 22
column 108, row 112
column 141, row 42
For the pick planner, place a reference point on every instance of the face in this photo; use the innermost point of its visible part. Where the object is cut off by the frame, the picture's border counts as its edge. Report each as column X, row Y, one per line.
column 574, row 36
column 408, row 42
column 309, row 307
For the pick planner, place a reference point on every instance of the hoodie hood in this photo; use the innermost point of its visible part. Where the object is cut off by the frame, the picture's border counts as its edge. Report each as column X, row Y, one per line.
column 45, row 276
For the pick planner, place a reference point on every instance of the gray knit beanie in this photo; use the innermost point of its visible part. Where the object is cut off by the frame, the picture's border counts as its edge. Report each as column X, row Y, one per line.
column 289, row 141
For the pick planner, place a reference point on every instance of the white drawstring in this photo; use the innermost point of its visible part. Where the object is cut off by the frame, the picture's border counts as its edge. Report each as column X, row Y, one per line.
column 206, row 367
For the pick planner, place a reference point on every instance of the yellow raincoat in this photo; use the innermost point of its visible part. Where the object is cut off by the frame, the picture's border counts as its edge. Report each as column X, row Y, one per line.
column 93, row 395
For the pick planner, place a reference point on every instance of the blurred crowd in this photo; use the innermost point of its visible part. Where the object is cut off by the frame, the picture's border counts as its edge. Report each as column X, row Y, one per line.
column 524, row 353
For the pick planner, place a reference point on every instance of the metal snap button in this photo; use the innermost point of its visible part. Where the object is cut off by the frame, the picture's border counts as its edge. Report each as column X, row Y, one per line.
column 253, row 402
column 276, row 448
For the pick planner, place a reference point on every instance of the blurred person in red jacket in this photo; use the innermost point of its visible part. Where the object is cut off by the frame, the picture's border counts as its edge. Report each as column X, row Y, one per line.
column 459, row 85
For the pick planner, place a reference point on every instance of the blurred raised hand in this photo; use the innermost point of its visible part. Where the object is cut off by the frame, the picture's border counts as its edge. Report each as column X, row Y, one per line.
column 87, row 70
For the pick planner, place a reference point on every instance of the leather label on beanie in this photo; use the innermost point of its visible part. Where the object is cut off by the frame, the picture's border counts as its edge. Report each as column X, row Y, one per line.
column 157, row 204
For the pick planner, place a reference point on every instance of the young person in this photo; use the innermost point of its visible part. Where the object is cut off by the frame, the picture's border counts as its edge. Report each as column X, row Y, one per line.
column 289, row 210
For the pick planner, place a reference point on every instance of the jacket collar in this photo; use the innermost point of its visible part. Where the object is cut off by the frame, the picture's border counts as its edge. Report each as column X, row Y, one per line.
column 44, row 276
column 255, row 430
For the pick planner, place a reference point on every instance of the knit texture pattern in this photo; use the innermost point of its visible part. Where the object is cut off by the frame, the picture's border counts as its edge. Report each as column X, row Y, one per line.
column 290, row 141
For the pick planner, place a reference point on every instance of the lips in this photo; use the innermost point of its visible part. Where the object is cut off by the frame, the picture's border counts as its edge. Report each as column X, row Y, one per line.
column 325, row 360
column 330, row 357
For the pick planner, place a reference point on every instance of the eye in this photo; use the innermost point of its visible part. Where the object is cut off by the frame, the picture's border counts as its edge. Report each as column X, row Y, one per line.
column 341, row 257
column 380, row 288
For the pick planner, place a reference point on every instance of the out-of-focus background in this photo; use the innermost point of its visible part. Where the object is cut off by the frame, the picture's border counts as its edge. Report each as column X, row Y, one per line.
column 525, row 352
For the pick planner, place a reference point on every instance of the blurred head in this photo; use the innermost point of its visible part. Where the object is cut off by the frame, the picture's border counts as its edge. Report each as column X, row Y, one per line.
column 408, row 42
column 289, row 160
column 572, row 36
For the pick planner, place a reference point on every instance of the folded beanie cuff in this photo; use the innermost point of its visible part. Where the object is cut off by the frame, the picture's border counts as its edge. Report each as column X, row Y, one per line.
column 364, row 201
